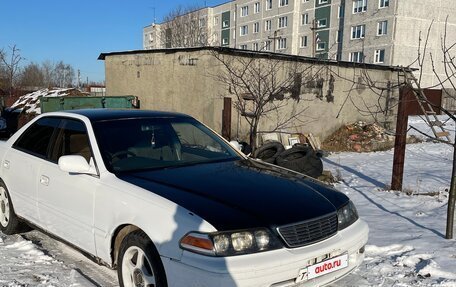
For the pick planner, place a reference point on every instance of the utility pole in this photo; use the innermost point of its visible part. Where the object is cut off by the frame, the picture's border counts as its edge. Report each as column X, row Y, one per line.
column 274, row 38
column 314, row 38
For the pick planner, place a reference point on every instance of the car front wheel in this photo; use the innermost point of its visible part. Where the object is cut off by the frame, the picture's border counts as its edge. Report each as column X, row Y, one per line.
column 139, row 263
column 9, row 223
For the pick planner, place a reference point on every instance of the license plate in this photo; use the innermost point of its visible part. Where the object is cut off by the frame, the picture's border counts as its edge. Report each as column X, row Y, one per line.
column 322, row 268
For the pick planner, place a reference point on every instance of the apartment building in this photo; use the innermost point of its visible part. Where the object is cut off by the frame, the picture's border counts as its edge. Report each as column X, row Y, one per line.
column 384, row 32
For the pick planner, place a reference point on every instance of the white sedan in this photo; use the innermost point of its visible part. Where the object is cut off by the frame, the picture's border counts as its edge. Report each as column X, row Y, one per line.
column 167, row 202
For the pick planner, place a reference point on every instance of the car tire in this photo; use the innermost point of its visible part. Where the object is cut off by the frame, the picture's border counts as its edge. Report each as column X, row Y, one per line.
column 301, row 159
column 139, row 263
column 9, row 223
column 269, row 151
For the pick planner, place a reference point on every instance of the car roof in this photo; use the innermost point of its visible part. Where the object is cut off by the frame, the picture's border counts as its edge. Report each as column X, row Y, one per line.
column 113, row 114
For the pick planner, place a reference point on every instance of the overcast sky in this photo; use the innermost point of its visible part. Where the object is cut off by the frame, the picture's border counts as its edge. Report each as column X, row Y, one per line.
column 76, row 32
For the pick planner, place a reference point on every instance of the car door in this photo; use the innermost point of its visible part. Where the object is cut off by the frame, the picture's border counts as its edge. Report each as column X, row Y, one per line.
column 22, row 163
column 66, row 201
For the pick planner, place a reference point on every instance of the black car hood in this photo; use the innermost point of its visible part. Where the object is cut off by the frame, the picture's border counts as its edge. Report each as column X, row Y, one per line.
column 241, row 194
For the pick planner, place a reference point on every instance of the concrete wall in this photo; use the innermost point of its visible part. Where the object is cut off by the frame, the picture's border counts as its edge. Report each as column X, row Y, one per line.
column 186, row 81
column 415, row 17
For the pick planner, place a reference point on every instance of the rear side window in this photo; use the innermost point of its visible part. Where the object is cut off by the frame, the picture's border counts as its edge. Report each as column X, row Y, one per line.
column 36, row 139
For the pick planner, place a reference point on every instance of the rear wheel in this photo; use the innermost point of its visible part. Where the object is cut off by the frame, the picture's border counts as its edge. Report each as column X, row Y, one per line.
column 139, row 263
column 9, row 223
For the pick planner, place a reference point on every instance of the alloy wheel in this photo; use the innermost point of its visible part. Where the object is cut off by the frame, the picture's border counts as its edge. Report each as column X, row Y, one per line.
column 4, row 207
column 136, row 269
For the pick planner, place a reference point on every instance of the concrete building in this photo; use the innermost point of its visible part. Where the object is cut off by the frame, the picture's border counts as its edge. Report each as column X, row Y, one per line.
column 384, row 32
column 330, row 93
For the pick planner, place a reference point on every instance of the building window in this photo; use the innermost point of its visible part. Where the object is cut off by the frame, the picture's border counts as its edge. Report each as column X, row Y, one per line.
column 340, row 11
column 225, row 24
column 244, row 30
column 268, row 4
column 283, row 3
column 282, row 43
column 358, row 31
column 338, row 36
column 267, row 25
column 283, row 22
column 321, row 46
column 304, row 19
column 244, row 11
column 256, row 47
column 382, row 28
column 267, row 45
column 379, row 56
column 322, row 1
column 216, row 20
column 256, row 27
column 202, row 22
column 225, row 41
column 303, row 41
column 256, row 7
column 243, row 47
column 359, row 6
column 383, row 3
column 356, row 57
column 321, row 23
column 304, row 1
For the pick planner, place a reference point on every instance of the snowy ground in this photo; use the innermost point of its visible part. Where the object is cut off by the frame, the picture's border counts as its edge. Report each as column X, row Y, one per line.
column 406, row 244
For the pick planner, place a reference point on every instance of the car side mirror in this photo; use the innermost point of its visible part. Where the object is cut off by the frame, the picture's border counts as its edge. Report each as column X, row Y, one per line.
column 76, row 164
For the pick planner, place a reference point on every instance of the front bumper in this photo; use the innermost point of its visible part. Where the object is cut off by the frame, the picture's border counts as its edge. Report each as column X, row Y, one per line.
column 277, row 268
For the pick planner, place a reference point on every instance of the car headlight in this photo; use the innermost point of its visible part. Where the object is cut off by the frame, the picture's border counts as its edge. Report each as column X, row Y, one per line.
column 230, row 243
column 347, row 215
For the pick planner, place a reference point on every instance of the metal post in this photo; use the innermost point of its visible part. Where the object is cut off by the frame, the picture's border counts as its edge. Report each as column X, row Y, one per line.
column 226, row 118
column 400, row 141
column 451, row 198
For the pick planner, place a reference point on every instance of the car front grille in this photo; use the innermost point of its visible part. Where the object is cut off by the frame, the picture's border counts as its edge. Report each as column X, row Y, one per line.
column 310, row 231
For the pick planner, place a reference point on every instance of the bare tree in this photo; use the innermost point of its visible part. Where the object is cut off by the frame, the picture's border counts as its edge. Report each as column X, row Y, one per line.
column 184, row 27
column 2, row 71
column 263, row 87
column 441, row 60
column 32, row 76
column 447, row 83
column 64, row 75
column 12, row 66
column 48, row 70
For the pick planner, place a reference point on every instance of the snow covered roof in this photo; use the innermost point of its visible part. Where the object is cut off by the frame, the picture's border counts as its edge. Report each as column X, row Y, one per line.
column 30, row 102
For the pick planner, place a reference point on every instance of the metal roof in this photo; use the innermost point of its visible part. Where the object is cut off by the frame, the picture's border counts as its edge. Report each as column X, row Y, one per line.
column 259, row 54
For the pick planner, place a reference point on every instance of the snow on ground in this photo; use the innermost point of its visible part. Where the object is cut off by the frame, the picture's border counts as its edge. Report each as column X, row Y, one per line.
column 24, row 263
column 419, row 123
column 406, row 242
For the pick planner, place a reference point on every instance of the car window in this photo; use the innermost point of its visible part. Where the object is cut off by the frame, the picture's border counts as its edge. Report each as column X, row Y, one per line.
column 192, row 137
column 36, row 139
column 71, row 139
column 151, row 143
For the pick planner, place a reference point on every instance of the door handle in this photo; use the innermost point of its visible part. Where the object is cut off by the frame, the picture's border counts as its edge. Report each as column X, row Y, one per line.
column 44, row 180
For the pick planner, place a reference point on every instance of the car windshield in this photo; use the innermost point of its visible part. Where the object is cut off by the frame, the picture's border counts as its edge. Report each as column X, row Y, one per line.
column 152, row 143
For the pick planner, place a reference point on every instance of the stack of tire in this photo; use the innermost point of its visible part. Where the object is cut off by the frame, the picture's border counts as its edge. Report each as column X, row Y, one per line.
column 300, row 158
